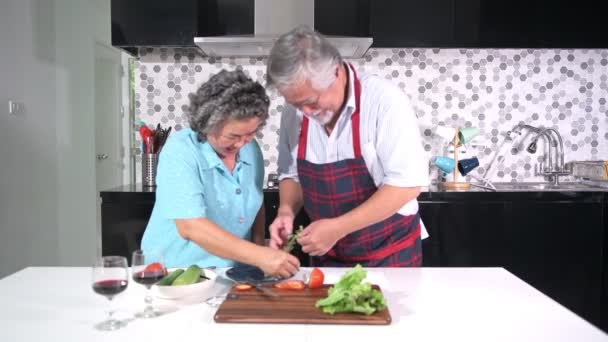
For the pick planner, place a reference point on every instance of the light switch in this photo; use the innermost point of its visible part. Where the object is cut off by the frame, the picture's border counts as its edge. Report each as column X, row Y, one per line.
column 15, row 108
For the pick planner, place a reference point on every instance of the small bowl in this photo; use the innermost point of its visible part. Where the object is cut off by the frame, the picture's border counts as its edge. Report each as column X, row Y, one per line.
column 202, row 288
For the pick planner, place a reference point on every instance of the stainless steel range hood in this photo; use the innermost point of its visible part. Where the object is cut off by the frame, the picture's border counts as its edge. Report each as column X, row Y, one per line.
column 273, row 18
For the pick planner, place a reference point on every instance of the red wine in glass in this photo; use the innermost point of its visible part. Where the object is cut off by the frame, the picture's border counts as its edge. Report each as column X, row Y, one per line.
column 110, row 277
column 148, row 278
column 110, row 287
column 148, row 269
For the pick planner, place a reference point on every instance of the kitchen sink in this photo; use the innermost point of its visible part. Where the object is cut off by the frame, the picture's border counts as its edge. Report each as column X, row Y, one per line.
column 540, row 186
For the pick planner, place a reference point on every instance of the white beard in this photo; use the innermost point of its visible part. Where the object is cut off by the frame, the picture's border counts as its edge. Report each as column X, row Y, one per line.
column 323, row 117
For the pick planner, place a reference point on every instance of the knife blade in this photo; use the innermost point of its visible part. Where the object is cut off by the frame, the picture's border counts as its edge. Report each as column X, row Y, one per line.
column 261, row 288
column 251, row 282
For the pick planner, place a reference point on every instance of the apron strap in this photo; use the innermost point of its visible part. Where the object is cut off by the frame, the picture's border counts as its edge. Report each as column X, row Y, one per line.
column 354, row 119
column 303, row 138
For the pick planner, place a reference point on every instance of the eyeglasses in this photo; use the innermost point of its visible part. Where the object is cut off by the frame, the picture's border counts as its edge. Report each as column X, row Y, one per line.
column 233, row 138
column 312, row 104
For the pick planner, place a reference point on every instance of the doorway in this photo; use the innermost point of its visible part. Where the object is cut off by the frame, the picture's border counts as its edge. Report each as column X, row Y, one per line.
column 109, row 113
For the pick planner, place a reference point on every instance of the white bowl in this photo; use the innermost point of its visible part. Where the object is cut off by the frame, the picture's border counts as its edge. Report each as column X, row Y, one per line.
column 201, row 289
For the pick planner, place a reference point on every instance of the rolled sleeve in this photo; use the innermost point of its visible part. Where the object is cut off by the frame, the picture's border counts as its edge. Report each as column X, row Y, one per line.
column 179, row 193
column 288, row 144
column 399, row 147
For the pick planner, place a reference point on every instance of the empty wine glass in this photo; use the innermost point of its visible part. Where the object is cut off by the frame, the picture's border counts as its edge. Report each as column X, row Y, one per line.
column 110, row 277
column 148, row 268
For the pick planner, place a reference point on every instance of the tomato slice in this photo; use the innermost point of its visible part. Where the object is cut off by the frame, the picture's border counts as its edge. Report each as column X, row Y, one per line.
column 291, row 285
column 316, row 278
column 155, row 267
column 242, row 287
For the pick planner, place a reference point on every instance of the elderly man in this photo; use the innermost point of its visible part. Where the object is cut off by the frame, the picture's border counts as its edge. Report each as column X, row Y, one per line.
column 350, row 152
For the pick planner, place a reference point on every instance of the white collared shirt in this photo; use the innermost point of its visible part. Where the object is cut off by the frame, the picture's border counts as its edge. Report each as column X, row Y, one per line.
column 390, row 138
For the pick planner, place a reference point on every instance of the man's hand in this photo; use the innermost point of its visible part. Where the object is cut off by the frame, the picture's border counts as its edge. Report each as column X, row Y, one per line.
column 280, row 229
column 320, row 236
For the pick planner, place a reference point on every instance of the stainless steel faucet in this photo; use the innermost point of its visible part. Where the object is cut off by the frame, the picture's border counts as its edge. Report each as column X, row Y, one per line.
column 553, row 170
column 547, row 168
column 540, row 133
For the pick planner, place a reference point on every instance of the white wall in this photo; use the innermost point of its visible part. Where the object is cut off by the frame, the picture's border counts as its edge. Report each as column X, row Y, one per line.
column 47, row 154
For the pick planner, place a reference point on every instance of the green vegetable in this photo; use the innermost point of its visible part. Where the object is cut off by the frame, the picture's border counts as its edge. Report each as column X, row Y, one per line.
column 191, row 276
column 293, row 239
column 169, row 278
column 351, row 295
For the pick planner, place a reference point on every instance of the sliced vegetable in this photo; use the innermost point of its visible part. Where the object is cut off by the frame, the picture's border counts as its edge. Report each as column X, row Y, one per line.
column 316, row 278
column 351, row 295
column 242, row 287
column 291, row 285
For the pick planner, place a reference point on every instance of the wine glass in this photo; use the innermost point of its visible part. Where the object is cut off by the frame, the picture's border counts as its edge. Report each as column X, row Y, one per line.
column 110, row 277
column 148, row 268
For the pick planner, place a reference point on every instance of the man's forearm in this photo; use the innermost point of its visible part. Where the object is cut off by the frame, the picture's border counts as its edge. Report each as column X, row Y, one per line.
column 385, row 202
column 290, row 197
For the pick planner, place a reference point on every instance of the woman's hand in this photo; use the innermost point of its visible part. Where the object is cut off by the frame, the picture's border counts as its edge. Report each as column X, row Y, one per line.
column 278, row 263
column 280, row 229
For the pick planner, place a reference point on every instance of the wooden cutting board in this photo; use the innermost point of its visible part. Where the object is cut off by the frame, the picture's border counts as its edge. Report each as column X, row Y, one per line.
column 252, row 306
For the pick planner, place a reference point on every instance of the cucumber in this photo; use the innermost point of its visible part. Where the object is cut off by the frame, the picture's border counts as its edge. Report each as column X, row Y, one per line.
column 169, row 278
column 191, row 276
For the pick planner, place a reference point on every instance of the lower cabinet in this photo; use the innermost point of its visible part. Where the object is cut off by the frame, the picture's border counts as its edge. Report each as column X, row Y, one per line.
column 124, row 218
column 271, row 204
column 552, row 241
column 555, row 245
column 557, row 248
column 604, row 301
column 464, row 233
column 431, row 246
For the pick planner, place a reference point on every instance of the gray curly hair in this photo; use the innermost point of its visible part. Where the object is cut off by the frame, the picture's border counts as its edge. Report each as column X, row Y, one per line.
column 302, row 54
column 226, row 95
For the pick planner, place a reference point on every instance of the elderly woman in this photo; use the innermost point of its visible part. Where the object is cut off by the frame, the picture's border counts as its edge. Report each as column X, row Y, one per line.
column 209, row 199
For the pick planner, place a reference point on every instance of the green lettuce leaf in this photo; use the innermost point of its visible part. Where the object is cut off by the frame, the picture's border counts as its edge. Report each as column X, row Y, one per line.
column 350, row 294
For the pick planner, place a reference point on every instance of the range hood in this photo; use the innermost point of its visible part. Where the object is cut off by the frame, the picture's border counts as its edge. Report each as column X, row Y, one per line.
column 271, row 19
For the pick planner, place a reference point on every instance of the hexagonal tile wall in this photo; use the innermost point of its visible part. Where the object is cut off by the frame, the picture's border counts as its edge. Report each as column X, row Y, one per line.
column 493, row 90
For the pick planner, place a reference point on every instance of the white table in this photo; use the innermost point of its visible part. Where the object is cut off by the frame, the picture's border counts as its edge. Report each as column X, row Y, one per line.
column 427, row 304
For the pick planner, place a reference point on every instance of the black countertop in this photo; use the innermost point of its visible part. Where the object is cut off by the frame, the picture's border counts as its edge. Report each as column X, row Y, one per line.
column 137, row 191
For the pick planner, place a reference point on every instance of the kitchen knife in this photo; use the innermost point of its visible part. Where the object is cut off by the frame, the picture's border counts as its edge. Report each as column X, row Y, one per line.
column 261, row 288
column 251, row 282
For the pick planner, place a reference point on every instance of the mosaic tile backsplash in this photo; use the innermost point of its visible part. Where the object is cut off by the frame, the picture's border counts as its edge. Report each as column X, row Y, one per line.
column 492, row 90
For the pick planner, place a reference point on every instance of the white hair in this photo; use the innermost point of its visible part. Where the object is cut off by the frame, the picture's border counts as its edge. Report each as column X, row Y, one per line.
column 302, row 54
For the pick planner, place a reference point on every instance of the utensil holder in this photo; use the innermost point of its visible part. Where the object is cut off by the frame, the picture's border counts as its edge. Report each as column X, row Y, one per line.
column 149, row 163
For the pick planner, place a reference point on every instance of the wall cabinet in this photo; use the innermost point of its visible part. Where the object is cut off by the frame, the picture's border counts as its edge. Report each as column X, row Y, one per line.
column 467, row 23
column 392, row 23
column 147, row 23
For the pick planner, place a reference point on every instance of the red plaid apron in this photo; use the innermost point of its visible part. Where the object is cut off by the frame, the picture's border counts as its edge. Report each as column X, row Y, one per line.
column 333, row 189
